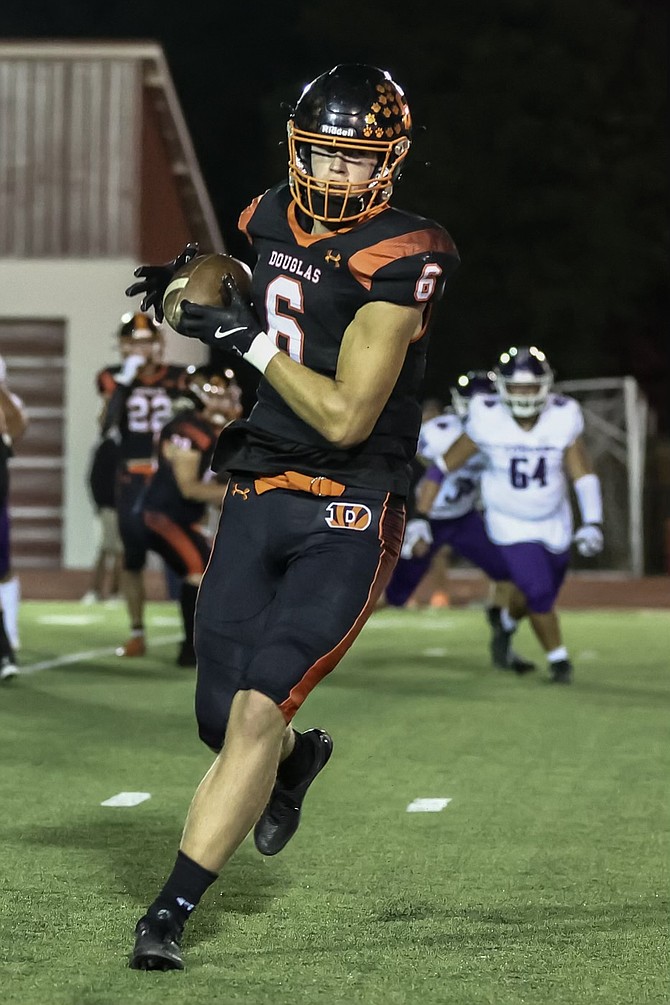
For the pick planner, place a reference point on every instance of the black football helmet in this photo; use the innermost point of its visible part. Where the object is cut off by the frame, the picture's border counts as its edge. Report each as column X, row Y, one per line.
column 467, row 385
column 353, row 107
column 140, row 333
column 523, row 380
column 216, row 392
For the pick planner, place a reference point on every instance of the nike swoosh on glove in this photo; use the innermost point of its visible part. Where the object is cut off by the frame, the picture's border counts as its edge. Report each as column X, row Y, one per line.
column 234, row 328
column 156, row 279
column 589, row 540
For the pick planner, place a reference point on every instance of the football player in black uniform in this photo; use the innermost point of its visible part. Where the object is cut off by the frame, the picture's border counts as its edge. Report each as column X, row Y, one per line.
column 139, row 396
column 13, row 424
column 313, row 519
column 177, row 496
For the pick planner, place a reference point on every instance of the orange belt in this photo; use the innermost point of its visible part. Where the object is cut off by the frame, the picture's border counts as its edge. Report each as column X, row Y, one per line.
column 145, row 468
column 316, row 486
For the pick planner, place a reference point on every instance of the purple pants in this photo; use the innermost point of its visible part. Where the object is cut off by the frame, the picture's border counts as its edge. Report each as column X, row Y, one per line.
column 538, row 573
column 467, row 536
column 4, row 540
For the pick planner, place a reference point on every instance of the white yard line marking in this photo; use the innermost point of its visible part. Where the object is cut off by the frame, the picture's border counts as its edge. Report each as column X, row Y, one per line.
column 69, row 619
column 127, row 799
column 426, row 626
column 433, row 652
column 588, row 654
column 427, row 805
column 89, row 654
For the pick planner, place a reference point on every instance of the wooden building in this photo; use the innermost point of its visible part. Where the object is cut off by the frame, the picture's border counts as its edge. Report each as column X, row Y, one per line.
column 97, row 174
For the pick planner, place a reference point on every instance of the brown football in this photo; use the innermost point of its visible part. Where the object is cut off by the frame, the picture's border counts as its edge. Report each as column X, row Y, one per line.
column 200, row 281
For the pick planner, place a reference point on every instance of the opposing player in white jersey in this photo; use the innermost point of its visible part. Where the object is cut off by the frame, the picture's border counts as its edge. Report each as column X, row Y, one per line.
column 452, row 518
column 531, row 440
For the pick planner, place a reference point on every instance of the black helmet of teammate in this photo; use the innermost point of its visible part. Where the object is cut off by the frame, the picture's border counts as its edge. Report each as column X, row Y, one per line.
column 140, row 333
column 215, row 391
column 354, row 108
column 467, row 385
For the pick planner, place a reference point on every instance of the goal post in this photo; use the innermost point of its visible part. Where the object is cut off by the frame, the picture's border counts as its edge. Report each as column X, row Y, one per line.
column 616, row 418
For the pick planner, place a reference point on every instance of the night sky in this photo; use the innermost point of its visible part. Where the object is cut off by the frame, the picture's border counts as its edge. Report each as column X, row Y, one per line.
column 541, row 146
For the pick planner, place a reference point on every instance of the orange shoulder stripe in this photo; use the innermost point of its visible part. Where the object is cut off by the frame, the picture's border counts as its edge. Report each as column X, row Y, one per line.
column 198, row 436
column 365, row 263
column 246, row 215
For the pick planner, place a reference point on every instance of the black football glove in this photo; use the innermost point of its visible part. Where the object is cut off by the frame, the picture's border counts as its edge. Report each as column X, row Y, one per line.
column 234, row 328
column 156, row 279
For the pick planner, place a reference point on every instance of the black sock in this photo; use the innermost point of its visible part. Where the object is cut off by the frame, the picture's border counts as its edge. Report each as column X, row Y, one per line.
column 293, row 768
column 6, row 651
column 187, row 599
column 493, row 616
column 184, row 888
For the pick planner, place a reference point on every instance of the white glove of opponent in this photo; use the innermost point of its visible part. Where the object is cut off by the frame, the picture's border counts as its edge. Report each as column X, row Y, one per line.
column 417, row 530
column 589, row 540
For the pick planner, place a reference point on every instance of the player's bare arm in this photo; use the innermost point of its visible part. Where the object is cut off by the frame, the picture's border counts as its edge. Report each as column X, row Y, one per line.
column 460, row 451
column 345, row 409
column 15, row 419
column 426, row 493
column 577, row 460
column 185, row 464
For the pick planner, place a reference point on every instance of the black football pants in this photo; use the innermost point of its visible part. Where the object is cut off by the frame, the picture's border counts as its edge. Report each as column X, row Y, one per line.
column 291, row 581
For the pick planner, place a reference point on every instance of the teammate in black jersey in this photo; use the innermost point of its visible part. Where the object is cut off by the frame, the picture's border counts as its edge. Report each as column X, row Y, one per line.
column 139, row 395
column 13, row 424
column 176, row 499
column 313, row 519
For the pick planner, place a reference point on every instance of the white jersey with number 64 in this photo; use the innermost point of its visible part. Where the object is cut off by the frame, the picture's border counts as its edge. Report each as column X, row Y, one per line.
column 524, row 486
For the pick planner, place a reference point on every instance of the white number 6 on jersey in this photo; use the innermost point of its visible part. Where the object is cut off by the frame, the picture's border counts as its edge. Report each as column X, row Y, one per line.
column 425, row 284
column 282, row 328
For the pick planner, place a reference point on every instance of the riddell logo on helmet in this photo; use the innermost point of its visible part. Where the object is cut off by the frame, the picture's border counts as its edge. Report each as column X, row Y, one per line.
column 337, row 130
column 348, row 516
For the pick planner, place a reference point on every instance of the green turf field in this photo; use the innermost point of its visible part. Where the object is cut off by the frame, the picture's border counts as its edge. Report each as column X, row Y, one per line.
column 544, row 880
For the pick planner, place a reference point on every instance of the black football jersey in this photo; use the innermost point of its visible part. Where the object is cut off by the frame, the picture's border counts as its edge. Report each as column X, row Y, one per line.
column 102, row 474
column 6, row 453
column 306, row 290
column 189, row 431
column 148, row 406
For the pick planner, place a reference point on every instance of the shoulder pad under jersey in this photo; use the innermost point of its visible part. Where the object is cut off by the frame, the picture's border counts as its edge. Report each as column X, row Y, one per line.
column 265, row 216
column 407, row 261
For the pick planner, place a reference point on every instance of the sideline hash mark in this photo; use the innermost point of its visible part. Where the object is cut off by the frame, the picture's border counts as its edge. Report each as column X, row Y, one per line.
column 427, row 805
column 127, row 799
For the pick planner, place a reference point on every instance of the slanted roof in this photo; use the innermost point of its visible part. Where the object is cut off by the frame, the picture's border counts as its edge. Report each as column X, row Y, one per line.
column 96, row 158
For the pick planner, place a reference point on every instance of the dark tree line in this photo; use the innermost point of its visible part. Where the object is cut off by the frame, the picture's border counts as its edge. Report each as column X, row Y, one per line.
column 543, row 122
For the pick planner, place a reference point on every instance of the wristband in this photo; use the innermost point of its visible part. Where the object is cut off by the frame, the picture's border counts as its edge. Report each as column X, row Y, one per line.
column 261, row 351
column 589, row 498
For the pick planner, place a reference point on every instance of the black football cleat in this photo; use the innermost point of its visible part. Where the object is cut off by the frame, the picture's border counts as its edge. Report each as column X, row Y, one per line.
column 280, row 818
column 157, row 937
column 500, row 647
column 561, row 672
column 502, row 654
column 186, row 656
column 8, row 668
column 519, row 664
column 493, row 617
